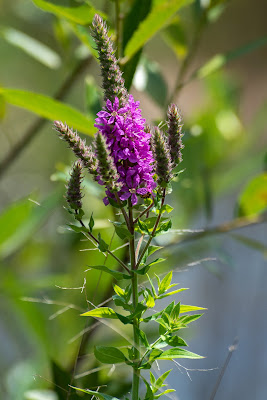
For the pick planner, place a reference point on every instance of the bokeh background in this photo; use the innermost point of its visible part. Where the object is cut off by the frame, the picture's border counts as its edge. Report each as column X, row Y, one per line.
column 222, row 191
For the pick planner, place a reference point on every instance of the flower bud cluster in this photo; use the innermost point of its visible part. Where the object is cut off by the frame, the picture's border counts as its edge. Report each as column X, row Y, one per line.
column 113, row 82
column 175, row 134
column 162, row 157
column 107, row 171
column 77, row 145
column 73, row 194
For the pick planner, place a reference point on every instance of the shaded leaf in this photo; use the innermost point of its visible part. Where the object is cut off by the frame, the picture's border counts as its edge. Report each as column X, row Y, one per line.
column 49, row 108
column 108, row 355
column 31, row 46
column 101, row 396
column 116, row 274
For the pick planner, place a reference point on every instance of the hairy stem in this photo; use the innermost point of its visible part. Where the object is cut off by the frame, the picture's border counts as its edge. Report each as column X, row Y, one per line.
column 136, row 371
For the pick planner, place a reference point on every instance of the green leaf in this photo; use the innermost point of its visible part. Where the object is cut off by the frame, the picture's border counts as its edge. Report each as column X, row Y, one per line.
column 164, row 227
column 160, row 380
column 175, row 38
column 187, row 319
column 219, row 60
column 177, row 353
column 138, row 12
column 122, row 231
column 31, row 46
column 142, row 337
column 49, row 108
column 175, row 312
column 253, row 199
column 109, row 355
column 100, row 396
column 142, row 226
column 116, row 274
column 101, row 312
column 150, row 302
column 159, row 16
column 171, row 293
column 103, row 246
column 146, row 268
column 184, row 308
column 83, row 14
column 165, row 283
column 91, row 223
column 149, row 394
column 2, row 107
column 113, row 203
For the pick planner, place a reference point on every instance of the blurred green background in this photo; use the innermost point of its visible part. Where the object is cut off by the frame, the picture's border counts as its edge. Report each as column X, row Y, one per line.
column 210, row 58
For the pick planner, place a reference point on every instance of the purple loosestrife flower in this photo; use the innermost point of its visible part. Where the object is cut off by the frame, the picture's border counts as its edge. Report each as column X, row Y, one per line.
column 128, row 143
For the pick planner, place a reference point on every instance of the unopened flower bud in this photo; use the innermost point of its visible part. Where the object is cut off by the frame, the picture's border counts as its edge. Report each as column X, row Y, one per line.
column 74, row 195
column 113, row 83
column 78, row 146
column 162, row 157
column 175, row 134
column 107, row 171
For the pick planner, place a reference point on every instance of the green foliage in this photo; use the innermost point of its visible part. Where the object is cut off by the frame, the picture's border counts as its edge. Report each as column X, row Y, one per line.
column 253, row 199
column 48, row 108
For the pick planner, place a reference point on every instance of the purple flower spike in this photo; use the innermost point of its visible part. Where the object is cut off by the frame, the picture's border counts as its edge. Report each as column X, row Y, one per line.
column 128, row 143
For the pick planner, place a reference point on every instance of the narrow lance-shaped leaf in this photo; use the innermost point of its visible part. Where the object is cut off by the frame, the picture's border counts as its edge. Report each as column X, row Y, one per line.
column 49, row 108
column 101, row 312
column 83, row 14
column 100, row 396
column 159, row 16
column 177, row 353
column 219, row 60
column 31, row 46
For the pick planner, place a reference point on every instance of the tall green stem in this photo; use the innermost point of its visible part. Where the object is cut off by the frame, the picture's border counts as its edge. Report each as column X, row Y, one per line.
column 136, row 371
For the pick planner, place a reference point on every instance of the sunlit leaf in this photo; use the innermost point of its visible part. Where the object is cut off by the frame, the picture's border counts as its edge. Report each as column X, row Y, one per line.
column 101, row 312
column 177, row 353
column 184, row 308
column 82, row 14
column 253, row 199
column 159, row 16
column 31, row 46
column 49, row 108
